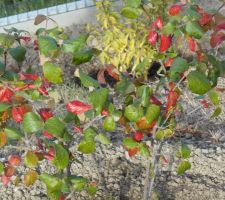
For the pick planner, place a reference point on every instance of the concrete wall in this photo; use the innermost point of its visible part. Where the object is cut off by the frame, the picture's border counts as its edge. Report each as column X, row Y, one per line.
column 80, row 16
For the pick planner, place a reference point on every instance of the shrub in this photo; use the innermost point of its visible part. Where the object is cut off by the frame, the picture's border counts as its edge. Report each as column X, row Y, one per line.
column 145, row 111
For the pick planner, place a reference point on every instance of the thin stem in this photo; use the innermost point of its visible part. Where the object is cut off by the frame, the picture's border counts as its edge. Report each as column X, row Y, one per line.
column 223, row 4
column 155, row 166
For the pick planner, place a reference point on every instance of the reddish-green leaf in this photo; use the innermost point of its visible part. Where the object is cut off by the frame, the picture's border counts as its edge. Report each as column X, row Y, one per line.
column 3, row 139
column 31, row 159
column 152, row 114
column 30, row 178
column 14, row 160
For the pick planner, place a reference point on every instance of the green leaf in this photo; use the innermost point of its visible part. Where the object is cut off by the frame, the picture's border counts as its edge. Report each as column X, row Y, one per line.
column 10, row 75
column 129, row 143
column 169, row 28
column 55, row 127
column 144, row 150
column 48, row 46
column 144, row 93
column 130, row 12
column 75, row 45
column 99, row 98
column 79, row 183
column 125, row 86
column 192, row 12
column 89, row 134
column 216, row 113
column 133, row 113
column 184, row 152
column 83, row 56
column 61, row 159
column 4, row 107
column 6, row 40
column 109, row 124
column 134, row 3
column 2, row 68
column 87, row 81
column 152, row 114
column 198, row 83
column 103, row 139
column 12, row 134
column 214, row 97
column 86, row 147
column 18, row 53
column 52, row 182
column 1, row 168
column 183, row 167
column 194, row 30
column 32, row 122
column 52, row 72
column 163, row 133
column 31, row 160
column 178, row 67
column 92, row 190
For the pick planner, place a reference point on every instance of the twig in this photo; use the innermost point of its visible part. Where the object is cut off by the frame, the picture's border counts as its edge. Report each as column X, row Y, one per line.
column 218, row 9
column 155, row 165
column 93, row 121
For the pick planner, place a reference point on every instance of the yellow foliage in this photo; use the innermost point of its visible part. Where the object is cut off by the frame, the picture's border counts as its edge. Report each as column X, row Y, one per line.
column 123, row 42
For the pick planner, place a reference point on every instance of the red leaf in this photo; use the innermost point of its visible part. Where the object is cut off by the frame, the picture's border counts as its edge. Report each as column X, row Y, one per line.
column 200, row 56
column 205, row 17
column 220, row 26
column 171, row 99
column 154, row 100
column 192, row 44
column 175, row 9
column 105, row 112
column 165, row 43
column 169, row 62
column 43, row 90
column 18, row 112
column 48, row 135
column 24, row 76
column 217, row 38
column 62, row 197
column 5, row 180
column 205, row 103
column 26, row 39
column 77, row 129
column 6, row 95
column 78, row 107
column 112, row 71
column 159, row 23
column 132, row 152
column 101, row 77
column 138, row 136
column 50, row 155
column 14, row 160
column 45, row 113
column 152, row 37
